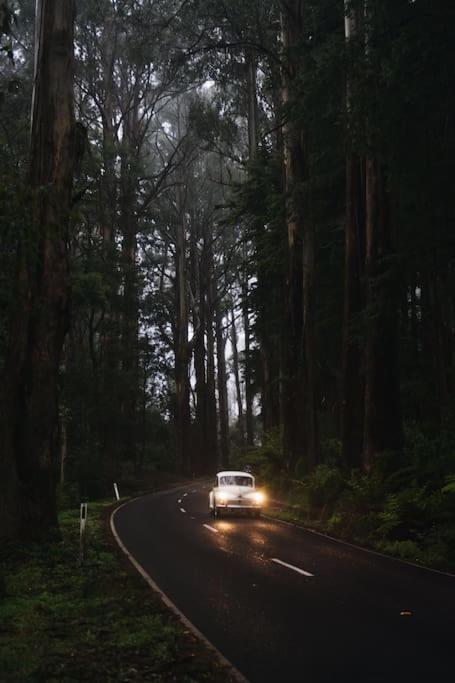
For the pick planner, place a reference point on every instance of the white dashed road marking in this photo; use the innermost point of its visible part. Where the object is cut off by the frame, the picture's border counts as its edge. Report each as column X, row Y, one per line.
column 291, row 566
column 211, row 528
column 182, row 510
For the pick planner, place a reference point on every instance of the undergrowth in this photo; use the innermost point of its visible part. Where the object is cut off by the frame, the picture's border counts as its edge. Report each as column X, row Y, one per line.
column 404, row 506
column 100, row 622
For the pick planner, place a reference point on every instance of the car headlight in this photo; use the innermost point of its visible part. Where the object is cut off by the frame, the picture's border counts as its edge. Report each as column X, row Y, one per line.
column 223, row 497
column 259, row 497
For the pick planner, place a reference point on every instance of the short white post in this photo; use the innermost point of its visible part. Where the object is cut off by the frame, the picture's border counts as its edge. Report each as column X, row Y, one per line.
column 83, row 523
column 116, row 492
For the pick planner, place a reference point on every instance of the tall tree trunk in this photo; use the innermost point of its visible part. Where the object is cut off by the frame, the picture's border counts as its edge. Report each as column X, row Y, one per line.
column 130, row 299
column 252, row 107
column 181, row 354
column 382, row 422
column 222, row 387
column 31, row 448
column 383, row 431
column 294, row 169
column 110, row 329
column 352, row 403
column 211, row 455
column 198, row 319
column 249, row 394
column 310, row 388
column 236, row 370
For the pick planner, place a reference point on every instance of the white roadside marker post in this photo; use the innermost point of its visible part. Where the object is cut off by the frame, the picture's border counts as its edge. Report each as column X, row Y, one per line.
column 116, row 492
column 83, row 522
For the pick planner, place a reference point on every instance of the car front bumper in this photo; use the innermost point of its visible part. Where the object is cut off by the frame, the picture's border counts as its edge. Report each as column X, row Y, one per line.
column 233, row 505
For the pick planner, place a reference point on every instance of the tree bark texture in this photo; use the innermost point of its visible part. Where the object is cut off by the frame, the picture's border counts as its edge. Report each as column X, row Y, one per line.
column 42, row 311
column 352, row 389
column 300, row 428
column 352, row 405
column 236, row 371
column 222, row 387
column 130, row 302
column 383, row 430
column 183, row 419
column 249, row 394
column 211, row 456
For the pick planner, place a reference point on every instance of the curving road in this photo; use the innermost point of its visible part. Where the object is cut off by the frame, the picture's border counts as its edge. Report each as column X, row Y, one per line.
column 286, row 605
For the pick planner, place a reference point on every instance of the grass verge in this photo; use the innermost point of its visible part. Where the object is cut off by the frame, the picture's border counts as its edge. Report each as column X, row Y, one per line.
column 101, row 622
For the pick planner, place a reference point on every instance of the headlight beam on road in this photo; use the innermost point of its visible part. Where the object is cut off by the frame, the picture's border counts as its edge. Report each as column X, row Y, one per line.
column 211, row 528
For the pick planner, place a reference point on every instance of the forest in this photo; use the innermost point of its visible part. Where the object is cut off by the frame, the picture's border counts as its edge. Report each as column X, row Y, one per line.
column 227, row 240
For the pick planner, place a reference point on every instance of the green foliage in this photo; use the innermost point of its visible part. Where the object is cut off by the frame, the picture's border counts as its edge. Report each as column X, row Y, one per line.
column 266, row 460
column 324, row 485
column 100, row 622
column 405, row 506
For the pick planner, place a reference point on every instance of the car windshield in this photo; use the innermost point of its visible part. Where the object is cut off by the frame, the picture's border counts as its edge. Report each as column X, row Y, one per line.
column 235, row 480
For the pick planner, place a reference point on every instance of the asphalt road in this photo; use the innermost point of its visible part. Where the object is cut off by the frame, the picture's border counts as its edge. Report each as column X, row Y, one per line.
column 341, row 620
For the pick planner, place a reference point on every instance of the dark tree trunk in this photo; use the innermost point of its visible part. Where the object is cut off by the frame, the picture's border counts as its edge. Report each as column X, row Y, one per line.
column 211, row 455
column 383, row 430
column 110, row 327
column 310, row 389
column 129, row 352
column 182, row 356
column 222, row 388
column 236, row 370
column 293, row 344
column 352, row 380
column 352, row 410
column 199, row 324
column 31, row 449
column 249, row 393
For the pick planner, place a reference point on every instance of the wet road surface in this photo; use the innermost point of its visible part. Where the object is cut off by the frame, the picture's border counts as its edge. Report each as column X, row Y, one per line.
column 286, row 605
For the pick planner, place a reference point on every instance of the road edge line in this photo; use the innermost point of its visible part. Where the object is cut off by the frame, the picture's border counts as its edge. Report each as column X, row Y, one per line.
column 236, row 674
column 359, row 547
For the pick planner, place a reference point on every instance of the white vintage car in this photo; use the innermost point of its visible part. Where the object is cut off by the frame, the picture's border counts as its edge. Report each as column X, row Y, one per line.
column 235, row 491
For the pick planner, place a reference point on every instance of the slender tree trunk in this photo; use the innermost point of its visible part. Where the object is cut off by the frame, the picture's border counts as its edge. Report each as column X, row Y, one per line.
column 383, row 431
column 211, row 456
column 130, row 299
column 310, row 389
column 31, row 448
column 294, row 170
column 182, row 355
column 199, row 287
column 270, row 413
column 222, row 387
column 236, row 369
column 108, row 181
column 63, row 450
column 352, row 403
column 249, row 394
column 252, row 107
column 110, row 328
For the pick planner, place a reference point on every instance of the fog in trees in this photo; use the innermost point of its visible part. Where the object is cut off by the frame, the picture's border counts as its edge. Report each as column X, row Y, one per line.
column 226, row 240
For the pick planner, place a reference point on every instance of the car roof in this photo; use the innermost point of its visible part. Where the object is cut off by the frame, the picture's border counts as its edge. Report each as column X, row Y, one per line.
column 229, row 473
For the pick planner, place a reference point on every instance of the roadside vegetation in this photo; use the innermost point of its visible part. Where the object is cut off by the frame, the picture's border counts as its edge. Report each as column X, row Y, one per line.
column 405, row 510
column 99, row 622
